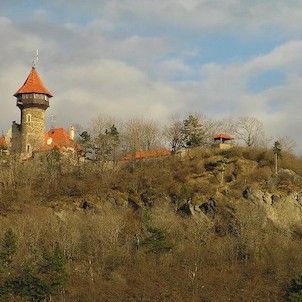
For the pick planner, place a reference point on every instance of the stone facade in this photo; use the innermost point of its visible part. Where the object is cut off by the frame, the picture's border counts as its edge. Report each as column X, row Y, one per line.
column 32, row 130
column 14, row 137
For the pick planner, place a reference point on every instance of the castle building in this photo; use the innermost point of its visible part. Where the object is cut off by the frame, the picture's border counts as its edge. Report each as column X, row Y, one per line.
column 32, row 100
column 29, row 137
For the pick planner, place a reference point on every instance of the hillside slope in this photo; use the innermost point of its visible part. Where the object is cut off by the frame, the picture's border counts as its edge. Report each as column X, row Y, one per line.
column 211, row 226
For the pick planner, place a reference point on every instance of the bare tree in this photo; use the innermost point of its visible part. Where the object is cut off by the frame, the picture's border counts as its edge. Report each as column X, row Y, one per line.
column 208, row 126
column 151, row 135
column 173, row 134
column 226, row 125
column 99, row 125
column 78, row 129
column 140, row 134
column 251, row 131
column 287, row 143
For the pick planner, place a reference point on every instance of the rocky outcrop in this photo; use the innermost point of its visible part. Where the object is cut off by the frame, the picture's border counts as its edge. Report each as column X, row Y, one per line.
column 284, row 210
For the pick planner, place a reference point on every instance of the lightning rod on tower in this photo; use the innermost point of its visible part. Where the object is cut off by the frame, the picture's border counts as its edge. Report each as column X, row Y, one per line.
column 36, row 59
column 52, row 121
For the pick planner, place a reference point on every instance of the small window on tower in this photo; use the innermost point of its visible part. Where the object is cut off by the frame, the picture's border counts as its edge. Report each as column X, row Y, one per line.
column 28, row 148
column 28, row 118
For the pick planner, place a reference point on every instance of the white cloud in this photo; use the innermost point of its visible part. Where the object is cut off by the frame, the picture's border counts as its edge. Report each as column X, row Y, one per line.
column 287, row 56
column 250, row 15
column 173, row 69
column 111, row 88
column 238, row 15
column 132, row 58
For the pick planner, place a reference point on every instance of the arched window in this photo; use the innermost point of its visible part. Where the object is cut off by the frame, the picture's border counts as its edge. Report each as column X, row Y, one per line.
column 28, row 148
column 28, row 118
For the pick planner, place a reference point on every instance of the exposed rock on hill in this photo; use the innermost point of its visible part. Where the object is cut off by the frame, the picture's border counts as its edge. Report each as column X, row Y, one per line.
column 284, row 210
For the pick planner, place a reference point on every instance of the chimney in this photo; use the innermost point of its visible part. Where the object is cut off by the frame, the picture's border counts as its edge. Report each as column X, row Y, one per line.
column 71, row 132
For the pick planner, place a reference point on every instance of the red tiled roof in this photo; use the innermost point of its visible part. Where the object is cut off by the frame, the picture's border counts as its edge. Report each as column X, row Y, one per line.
column 223, row 136
column 58, row 138
column 33, row 84
column 147, row 154
column 3, row 143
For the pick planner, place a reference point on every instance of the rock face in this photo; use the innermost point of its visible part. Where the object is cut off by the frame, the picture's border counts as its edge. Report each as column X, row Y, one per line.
column 285, row 211
column 209, row 207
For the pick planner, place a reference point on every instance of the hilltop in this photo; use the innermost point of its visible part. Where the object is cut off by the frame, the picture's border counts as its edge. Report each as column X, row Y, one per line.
column 213, row 225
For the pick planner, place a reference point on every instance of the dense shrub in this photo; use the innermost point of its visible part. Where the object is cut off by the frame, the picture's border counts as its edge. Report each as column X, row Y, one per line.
column 295, row 289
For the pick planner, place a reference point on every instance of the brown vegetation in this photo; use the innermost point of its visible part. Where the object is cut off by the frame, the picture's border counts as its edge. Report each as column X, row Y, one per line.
column 132, row 235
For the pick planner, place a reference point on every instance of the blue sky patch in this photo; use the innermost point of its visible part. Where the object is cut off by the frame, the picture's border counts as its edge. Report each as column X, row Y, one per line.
column 266, row 80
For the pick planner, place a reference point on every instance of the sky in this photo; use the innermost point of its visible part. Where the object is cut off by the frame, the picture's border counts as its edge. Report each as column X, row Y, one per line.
column 154, row 58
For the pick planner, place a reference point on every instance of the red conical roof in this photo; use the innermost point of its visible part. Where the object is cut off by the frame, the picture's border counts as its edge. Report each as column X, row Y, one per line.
column 33, row 84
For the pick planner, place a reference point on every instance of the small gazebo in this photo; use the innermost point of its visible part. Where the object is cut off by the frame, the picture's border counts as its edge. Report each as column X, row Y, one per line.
column 223, row 140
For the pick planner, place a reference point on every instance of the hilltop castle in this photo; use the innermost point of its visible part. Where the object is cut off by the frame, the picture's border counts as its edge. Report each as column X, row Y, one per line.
column 29, row 137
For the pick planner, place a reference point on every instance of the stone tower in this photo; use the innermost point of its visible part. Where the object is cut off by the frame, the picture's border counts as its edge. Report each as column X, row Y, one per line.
column 32, row 100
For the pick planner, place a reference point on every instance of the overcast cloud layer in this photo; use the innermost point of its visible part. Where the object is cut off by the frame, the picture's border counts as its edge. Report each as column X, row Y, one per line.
column 152, row 58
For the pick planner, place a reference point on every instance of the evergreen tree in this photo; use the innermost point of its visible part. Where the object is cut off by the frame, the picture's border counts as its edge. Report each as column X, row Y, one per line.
column 26, row 285
column 113, row 141
column 84, row 137
column 37, row 281
column 85, row 144
column 193, row 134
column 106, row 144
column 156, row 241
column 8, row 247
column 52, row 270
column 295, row 289
column 277, row 151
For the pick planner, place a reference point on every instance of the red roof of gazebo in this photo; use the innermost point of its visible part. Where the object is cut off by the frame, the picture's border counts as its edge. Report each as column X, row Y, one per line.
column 223, row 136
